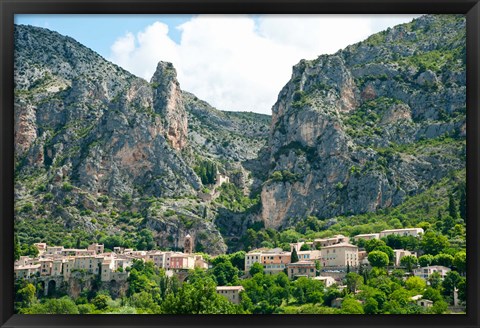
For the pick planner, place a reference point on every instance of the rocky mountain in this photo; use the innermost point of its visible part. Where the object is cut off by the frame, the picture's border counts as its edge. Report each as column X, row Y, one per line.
column 370, row 125
column 98, row 148
column 102, row 155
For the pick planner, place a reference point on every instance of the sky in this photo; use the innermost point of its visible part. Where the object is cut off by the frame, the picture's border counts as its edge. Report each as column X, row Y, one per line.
column 234, row 62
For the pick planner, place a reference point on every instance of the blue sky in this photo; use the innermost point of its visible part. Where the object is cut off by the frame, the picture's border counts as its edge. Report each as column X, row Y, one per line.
column 99, row 32
column 234, row 62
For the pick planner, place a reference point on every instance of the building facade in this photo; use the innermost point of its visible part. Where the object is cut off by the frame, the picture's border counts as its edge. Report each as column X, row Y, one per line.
column 232, row 293
column 415, row 232
column 426, row 272
column 340, row 255
column 301, row 269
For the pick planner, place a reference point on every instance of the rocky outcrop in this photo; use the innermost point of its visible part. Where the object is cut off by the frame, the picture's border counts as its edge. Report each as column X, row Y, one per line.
column 350, row 132
column 168, row 102
column 102, row 152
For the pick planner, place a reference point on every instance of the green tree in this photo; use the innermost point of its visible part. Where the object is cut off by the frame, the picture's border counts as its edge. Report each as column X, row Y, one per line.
column 450, row 282
column 387, row 250
column 425, row 260
column 452, row 207
column 409, row 261
column 198, row 297
column 86, row 308
column 312, row 290
column 101, row 301
column 378, row 259
column 415, row 283
column 433, row 243
column 435, row 280
column 462, row 205
column 447, row 225
column 16, row 247
column 351, row 306
column 145, row 241
column 25, row 295
column 256, row 268
column 460, row 261
column 370, row 306
column 354, row 281
column 145, row 302
column 63, row 305
column 225, row 273
column 332, row 293
column 401, row 296
column 238, row 260
column 305, row 247
column 462, row 290
column 294, row 257
column 443, row 259
column 432, row 294
column 439, row 307
column 371, row 244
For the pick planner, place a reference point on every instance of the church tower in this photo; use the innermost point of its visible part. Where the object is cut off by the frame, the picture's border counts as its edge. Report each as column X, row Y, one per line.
column 188, row 245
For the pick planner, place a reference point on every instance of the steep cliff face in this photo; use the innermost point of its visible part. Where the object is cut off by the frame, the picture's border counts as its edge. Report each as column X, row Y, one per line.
column 362, row 129
column 94, row 141
column 102, row 153
column 168, row 102
column 82, row 118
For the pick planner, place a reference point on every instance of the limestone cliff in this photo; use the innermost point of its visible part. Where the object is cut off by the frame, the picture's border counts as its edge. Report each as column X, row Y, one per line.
column 361, row 129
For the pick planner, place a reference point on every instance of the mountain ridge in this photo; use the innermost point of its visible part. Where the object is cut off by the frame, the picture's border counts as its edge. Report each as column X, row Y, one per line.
column 111, row 157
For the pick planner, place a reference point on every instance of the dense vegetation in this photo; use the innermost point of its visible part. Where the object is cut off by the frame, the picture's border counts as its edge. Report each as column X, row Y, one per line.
column 369, row 291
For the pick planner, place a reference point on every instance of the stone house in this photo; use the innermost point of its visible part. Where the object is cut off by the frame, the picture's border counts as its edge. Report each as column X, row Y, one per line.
column 274, row 261
column 301, row 269
column 324, row 242
column 328, row 281
column 232, row 293
column 340, row 255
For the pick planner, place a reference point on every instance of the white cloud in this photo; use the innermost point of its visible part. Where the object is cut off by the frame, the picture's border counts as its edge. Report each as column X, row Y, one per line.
column 140, row 54
column 241, row 62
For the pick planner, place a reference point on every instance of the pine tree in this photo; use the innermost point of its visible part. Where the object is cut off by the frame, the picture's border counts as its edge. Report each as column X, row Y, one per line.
column 294, row 256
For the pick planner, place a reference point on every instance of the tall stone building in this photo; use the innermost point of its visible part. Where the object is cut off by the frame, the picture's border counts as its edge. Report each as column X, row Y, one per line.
column 188, row 245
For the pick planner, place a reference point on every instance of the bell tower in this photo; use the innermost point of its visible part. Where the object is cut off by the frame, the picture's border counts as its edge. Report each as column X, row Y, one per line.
column 188, row 244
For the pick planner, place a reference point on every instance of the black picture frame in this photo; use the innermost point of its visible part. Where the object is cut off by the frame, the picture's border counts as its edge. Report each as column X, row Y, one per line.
column 471, row 8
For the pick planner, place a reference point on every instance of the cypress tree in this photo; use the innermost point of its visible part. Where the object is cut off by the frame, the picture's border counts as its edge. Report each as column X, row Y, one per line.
column 462, row 206
column 452, row 207
column 294, row 256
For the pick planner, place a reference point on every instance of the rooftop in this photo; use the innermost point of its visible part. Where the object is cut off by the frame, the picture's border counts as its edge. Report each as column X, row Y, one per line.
column 302, row 263
column 24, row 267
column 341, row 245
column 403, row 229
column 230, row 288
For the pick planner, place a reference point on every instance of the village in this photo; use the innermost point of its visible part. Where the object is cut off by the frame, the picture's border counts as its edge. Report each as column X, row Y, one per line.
column 328, row 260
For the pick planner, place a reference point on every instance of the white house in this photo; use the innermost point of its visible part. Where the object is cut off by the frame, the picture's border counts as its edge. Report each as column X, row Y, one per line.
column 426, row 272
column 415, row 232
